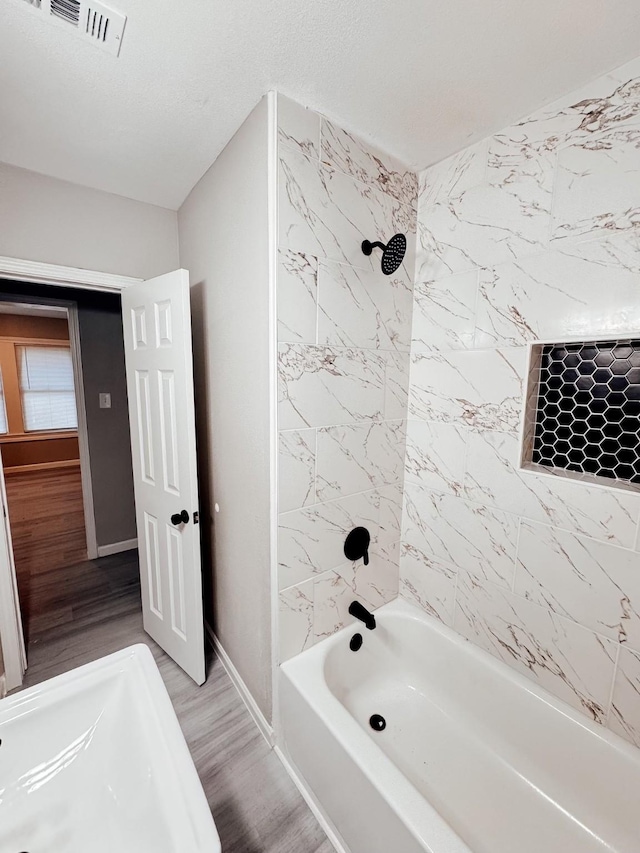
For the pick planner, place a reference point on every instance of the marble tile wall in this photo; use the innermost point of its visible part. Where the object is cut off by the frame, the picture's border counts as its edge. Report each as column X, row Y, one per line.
column 532, row 234
column 344, row 339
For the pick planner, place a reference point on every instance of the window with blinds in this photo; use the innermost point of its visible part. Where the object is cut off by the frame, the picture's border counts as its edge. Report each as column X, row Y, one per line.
column 46, row 388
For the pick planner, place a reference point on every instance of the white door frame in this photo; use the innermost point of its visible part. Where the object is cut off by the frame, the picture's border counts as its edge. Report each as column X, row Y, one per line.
column 34, row 272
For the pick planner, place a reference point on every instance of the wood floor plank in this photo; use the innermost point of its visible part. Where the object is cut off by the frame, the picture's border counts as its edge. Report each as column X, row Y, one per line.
column 256, row 806
column 46, row 514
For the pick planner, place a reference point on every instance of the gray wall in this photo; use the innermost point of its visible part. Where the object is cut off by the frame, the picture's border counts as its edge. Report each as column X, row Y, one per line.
column 103, row 369
column 44, row 219
column 224, row 243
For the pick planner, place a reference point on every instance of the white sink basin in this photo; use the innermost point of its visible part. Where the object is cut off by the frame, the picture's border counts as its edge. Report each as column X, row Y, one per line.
column 94, row 761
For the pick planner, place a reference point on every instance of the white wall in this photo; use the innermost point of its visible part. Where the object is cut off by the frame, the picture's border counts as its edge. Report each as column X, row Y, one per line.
column 44, row 219
column 224, row 243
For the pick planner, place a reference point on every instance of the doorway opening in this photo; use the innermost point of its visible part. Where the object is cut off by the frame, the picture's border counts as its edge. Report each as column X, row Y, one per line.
column 66, row 457
column 156, row 436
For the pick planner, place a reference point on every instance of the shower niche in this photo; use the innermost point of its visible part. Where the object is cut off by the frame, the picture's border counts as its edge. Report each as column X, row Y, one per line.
column 582, row 414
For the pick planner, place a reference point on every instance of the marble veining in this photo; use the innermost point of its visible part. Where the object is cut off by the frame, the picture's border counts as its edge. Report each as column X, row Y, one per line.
column 589, row 198
column 318, row 607
column 390, row 518
column 297, row 296
column 461, row 533
column 427, row 582
column 373, row 585
column 296, row 468
column 483, row 227
column 481, row 389
column 324, row 385
column 333, row 596
column 592, row 583
column 311, row 540
column 348, row 154
column 435, row 455
column 295, row 619
column 364, row 308
column 451, row 177
column 327, row 214
column 624, row 718
column 356, row 457
column 298, row 128
column 396, row 392
column 493, row 477
column 444, row 313
column 559, row 294
column 573, row 663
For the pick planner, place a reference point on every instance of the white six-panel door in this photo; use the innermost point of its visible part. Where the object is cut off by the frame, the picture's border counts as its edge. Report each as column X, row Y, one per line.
column 157, row 335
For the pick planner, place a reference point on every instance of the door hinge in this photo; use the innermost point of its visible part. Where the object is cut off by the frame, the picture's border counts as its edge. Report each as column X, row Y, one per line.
column 196, row 517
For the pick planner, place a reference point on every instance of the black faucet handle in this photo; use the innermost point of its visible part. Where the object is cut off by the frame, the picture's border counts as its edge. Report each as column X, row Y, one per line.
column 356, row 545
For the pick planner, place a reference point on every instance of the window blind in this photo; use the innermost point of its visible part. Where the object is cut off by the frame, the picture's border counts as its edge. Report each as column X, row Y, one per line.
column 46, row 386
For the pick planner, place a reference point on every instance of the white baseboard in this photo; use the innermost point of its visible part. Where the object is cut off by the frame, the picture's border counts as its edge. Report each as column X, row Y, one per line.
column 311, row 801
column 269, row 735
column 252, row 706
column 117, row 547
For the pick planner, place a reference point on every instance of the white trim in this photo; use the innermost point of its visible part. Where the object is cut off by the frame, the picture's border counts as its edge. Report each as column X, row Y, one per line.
column 117, row 547
column 11, row 635
column 39, row 273
column 83, row 433
column 272, row 201
column 17, row 269
column 3, row 686
column 314, row 806
column 258, row 717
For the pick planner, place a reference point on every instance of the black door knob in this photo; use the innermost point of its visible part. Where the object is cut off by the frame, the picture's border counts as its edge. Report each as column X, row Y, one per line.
column 180, row 517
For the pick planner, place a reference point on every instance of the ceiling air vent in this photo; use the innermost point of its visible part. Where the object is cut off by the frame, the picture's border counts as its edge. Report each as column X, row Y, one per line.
column 88, row 19
column 67, row 10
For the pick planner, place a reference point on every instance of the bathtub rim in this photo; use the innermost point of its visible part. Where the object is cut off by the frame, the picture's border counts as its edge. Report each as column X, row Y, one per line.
column 305, row 671
column 422, row 820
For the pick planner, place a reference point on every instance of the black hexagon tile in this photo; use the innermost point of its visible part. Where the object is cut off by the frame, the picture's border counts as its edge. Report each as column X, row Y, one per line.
column 588, row 412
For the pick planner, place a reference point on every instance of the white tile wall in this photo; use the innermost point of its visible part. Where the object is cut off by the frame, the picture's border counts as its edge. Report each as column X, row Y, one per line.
column 532, row 234
column 344, row 332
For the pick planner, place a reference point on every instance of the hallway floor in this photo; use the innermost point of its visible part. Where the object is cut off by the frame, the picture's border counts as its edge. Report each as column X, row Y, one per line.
column 48, row 533
column 255, row 804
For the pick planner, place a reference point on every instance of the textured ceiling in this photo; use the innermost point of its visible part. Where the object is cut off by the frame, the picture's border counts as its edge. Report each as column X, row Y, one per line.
column 420, row 78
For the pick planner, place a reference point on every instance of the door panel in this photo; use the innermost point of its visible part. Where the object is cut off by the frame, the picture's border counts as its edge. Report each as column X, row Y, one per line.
column 157, row 333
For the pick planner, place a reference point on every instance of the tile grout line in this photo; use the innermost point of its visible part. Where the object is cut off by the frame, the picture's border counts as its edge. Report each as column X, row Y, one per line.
column 616, row 664
column 527, row 518
column 516, row 556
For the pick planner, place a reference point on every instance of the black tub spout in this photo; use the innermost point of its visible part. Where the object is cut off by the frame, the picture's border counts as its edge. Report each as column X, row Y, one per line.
column 360, row 612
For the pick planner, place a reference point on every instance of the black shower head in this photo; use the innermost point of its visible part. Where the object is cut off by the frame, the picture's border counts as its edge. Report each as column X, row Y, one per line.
column 392, row 253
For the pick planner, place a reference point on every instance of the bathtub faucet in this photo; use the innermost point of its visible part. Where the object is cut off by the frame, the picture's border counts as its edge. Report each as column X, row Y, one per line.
column 360, row 612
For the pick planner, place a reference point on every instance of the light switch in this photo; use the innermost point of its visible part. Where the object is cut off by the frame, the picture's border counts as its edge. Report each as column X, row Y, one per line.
column 105, row 401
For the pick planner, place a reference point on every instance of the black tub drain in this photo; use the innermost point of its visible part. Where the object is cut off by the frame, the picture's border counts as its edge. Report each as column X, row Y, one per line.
column 377, row 723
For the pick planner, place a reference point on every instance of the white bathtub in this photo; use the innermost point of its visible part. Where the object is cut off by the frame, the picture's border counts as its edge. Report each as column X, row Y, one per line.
column 474, row 757
column 94, row 761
